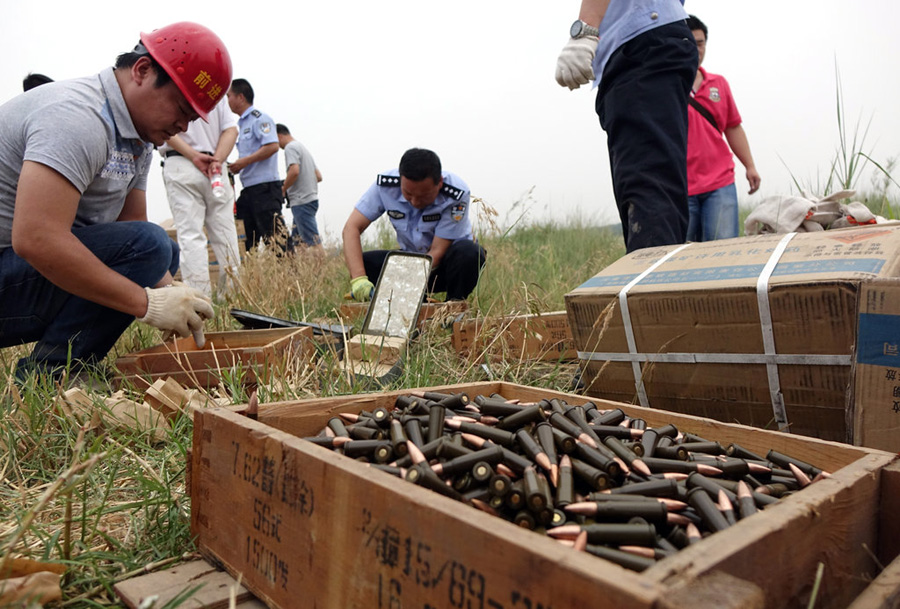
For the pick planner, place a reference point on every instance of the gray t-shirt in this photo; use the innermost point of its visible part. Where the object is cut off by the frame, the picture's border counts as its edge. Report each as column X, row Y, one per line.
column 305, row 189
column 82, row 129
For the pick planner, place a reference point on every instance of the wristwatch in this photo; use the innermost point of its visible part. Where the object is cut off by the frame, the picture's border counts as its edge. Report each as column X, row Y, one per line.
column 580, row 29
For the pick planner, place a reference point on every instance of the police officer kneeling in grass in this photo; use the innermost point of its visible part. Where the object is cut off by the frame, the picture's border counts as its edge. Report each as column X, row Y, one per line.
column 429, row 210
column 78, row 259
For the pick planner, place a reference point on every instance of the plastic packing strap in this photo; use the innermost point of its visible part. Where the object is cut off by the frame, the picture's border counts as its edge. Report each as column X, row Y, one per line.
column 768, row 334
column 629, row 329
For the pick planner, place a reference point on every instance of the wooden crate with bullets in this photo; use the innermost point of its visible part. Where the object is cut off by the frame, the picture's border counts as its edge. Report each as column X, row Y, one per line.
column 317, row 529
column 254, row 354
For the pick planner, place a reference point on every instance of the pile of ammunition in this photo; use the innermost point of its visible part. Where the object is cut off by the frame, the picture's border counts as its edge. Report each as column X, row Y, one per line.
column 594, row 479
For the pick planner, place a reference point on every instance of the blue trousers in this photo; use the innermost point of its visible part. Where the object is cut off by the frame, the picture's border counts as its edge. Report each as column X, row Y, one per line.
column 457, row 275
column 66, row 326
column 305, row 229
column 642, row 106
column 713, row 214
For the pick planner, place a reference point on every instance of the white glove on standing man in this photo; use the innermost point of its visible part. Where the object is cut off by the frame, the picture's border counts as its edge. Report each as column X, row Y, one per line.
column 178, row 309
column 573, row 68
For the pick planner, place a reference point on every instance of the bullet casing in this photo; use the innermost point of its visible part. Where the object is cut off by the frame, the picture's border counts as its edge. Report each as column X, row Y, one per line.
column 436, row 416
column 707, row 509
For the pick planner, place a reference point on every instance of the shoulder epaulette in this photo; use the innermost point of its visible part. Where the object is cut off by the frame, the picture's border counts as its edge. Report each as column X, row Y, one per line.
column 256, row 113
column 451, row 191
column 384, row 180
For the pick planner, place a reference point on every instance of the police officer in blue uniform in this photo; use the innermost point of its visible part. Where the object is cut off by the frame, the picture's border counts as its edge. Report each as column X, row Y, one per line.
column 259, row 205
column 429, row 210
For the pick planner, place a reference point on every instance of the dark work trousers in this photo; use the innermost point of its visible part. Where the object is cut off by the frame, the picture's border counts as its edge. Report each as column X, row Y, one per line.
column 642, row 105
column 457, row 275
column 66, row 326
column 259, row 206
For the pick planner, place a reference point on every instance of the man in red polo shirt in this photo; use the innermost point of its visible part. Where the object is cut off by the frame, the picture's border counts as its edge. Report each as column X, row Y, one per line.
column 712, row 113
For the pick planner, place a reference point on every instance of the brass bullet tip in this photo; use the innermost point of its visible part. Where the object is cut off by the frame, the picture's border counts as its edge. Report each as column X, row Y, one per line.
column 581, row 541
column 415, row 453
column 566, row 531
column 708, row 470
column 802, row 479
column 584, row 508
column 641, row 467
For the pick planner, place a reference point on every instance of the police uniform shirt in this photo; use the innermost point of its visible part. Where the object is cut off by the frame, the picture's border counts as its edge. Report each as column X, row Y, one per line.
column 255, row 130
column 447, row 217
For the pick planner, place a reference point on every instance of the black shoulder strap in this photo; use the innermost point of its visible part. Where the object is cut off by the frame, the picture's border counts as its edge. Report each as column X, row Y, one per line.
column 703, row 112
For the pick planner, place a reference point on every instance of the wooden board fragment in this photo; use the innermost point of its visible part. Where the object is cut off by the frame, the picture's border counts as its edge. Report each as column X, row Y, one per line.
column 215, row 587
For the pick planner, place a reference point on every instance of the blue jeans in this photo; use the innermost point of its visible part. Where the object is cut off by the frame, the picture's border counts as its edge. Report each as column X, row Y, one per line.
column 713, row 214
column 305, row 229
column 66, row 326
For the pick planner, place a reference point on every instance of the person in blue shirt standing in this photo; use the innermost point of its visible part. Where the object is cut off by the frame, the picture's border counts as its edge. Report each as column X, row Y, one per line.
column 429, row 210
column 642, row 58
column 259, row 204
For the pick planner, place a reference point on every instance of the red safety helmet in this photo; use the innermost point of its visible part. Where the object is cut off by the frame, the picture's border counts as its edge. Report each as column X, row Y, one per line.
column 196, row 59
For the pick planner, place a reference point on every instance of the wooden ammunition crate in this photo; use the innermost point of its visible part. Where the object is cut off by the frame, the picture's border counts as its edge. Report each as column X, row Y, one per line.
column 257, row 352
column 306, row 527
column 541, row 336
column 439, row 311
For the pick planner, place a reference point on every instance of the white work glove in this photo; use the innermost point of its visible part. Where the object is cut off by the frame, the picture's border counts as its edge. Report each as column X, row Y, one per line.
column 179, row 309
column 573, row 68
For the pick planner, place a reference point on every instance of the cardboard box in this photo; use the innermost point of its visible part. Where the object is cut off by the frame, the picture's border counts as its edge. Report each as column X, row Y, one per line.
column 313, row 528
column 257, row 352
column 800, row 332
column 439, row 311
column 541, row 336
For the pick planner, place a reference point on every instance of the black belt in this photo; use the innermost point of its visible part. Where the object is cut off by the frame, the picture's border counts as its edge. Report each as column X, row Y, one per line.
column 176, row 153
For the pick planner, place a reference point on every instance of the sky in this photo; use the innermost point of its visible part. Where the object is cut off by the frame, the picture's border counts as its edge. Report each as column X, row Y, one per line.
column 359, row 82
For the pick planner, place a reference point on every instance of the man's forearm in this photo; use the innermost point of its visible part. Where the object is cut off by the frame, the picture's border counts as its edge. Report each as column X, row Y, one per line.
column 593, row 11
column 737, row 140
column 226, row 144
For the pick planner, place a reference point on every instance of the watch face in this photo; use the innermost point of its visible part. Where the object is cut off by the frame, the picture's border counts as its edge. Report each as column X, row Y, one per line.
column 576, row 28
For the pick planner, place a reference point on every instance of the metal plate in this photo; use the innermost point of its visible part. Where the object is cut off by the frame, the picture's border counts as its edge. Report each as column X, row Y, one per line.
column 398, row 296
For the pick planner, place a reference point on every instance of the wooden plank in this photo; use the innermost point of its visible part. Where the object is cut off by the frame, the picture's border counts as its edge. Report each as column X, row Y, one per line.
column 315, row 529
column 215, row 587
column 889, row 542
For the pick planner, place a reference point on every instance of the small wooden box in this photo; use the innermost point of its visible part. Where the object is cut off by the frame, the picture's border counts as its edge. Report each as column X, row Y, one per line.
column 257, row 352
column 542, row 336
column 306, row 527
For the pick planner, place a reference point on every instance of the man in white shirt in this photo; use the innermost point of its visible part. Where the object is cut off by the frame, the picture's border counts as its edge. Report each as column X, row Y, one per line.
column 191, row 159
